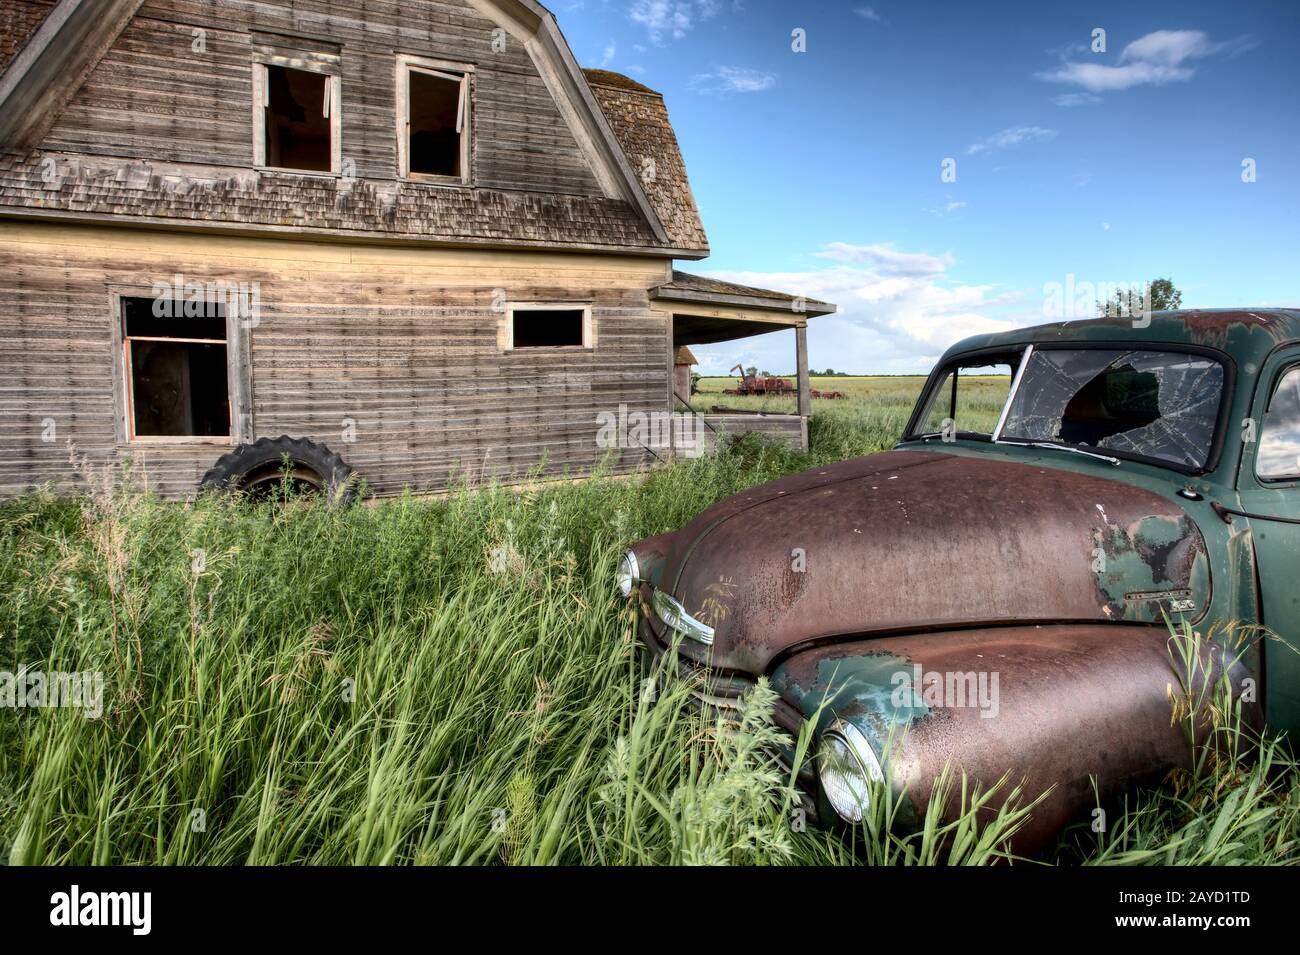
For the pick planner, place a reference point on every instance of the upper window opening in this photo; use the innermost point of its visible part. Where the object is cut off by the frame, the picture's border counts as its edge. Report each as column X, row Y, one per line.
column 1279, row 437
column 176, row 370
column 436, row 123
column 299, row 127
column 548, row 327
column 435, row 111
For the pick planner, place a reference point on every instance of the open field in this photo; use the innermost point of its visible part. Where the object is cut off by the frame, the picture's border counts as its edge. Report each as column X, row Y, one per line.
column 442, row 681
column 882, row 405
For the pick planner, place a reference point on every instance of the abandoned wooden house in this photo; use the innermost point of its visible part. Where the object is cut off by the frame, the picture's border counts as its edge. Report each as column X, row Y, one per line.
column 414, row 232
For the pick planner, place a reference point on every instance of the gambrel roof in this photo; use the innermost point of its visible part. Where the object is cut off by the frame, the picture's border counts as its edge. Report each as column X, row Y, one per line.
column 640, row 121
column 53, row 53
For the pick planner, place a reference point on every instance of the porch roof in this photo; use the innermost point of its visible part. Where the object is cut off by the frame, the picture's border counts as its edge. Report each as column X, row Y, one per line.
column 709, row 310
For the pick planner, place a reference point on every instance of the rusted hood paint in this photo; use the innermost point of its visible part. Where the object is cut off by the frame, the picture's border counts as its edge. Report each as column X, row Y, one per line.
column 915, row 540
column 1052, row 708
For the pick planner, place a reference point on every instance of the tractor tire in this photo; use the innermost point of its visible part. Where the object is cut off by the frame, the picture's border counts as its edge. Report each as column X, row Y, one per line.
column 260, row 470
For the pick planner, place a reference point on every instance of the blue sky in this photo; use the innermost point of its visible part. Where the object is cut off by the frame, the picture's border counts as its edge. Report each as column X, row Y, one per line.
column 820, row 172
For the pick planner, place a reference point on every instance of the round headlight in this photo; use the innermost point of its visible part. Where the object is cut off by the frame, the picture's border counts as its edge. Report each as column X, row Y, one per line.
column 629, row 574
column 847, row 767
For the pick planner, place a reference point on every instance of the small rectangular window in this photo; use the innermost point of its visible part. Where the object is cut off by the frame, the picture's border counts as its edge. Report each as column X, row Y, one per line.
column 299, row 123
column 176, row 372
column 433, row 109
column 548, row 327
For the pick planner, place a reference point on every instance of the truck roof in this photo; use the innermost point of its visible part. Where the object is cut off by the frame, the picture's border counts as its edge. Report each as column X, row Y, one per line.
column 1247, row 334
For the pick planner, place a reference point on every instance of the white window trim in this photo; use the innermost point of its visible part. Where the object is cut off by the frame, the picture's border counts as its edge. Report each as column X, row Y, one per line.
column 588, row 337
column 407, row 64
column 334, row 88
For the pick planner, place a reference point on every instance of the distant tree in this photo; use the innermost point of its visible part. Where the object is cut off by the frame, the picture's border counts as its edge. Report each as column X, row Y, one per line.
column 1162, row 293
column 829, row 372
column 695, row 382
column 751, row 371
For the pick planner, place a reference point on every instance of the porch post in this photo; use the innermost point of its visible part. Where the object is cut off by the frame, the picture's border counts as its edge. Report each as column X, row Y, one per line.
column 801, row 364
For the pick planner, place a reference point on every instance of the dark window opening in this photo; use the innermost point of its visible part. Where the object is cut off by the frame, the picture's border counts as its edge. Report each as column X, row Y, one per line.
column 547, row 327
column 1123, row 399
column 176, row 367
column 435, row 123
column 298, row 119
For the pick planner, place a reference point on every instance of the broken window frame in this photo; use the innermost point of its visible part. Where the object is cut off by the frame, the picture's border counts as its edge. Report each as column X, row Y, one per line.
column 1133, row 346
column 444, row 69
column 238, row 384
column 325, row 64
column 939, row 375
column 508, row 333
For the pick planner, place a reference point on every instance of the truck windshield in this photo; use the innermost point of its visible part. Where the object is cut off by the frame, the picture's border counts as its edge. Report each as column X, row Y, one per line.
column 1153, row 404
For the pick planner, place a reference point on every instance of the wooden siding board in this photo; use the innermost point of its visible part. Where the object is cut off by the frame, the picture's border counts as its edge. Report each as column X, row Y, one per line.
column 403, row 344
column 154, row 98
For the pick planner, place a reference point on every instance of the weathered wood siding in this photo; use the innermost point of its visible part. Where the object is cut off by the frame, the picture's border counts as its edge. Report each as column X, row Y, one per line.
column 163, row 130
column 401, row 342
column 154, row 97
column 789, row 429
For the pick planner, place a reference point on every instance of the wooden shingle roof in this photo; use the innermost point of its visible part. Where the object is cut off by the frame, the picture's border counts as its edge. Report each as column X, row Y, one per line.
column 50, row 57
column 687, row 287
column 639, row 119
column 18, row 21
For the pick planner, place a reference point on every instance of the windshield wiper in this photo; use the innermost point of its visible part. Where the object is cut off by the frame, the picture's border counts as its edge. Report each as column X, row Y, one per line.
column 1060, row 447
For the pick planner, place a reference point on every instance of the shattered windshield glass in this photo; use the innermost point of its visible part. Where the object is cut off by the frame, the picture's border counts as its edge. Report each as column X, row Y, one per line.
column 1156, row 404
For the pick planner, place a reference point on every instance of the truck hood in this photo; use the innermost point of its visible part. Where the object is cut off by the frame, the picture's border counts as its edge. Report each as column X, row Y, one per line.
column 905, row 541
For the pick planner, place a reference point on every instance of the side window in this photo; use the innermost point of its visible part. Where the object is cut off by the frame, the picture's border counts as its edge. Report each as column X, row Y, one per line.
column 1279, row 436
column 971, row 397
column 174, row 357
column 548, row 326
column 433, row 120
column 296, row 123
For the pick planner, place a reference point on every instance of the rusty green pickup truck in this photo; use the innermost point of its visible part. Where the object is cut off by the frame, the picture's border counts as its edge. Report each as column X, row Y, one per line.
column 997, row 593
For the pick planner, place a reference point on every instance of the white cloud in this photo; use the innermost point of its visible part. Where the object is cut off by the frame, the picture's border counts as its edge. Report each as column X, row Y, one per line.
column 733, row 79
column 1008, row 138
column 898, row 312
column 948, row 208
column 1076, row 99
column 885, row 259
column 869, row 13
column 1159, row 57
column 607, row 57
column 671, row 19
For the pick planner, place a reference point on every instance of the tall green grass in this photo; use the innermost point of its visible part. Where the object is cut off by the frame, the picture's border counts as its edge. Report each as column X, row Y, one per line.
column 431, row 682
